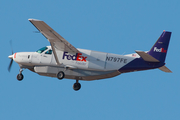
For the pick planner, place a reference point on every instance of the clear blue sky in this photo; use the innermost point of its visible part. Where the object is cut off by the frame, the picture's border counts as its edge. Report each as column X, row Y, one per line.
column 114, row 26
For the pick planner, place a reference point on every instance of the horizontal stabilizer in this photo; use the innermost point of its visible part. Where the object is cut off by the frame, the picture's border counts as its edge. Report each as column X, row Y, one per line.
column 165, row 69
column 146, row 57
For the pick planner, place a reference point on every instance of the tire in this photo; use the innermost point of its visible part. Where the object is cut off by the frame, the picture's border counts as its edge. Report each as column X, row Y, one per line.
column 76, row 86
column 60, row 75
column 20, row 77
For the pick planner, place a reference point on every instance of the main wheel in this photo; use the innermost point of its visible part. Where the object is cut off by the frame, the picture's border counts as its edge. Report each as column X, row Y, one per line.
column 20, row 77
column 76, row 86
column 60, row 75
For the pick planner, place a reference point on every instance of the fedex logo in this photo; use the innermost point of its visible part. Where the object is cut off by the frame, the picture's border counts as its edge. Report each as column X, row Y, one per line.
column 160, row 50
column 77, row 57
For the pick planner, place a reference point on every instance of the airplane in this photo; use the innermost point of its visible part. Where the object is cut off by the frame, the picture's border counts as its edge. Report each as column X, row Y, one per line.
column 63, row 60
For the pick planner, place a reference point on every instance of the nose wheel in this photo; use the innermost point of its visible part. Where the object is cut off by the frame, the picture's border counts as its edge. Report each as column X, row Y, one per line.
column 20, row 75
column 76, row 86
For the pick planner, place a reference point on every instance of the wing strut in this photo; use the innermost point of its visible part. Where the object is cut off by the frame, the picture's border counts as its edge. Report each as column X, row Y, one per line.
column 55, row 54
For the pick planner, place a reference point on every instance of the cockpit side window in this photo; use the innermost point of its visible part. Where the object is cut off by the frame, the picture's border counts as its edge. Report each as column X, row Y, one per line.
column 48, row 52
column 42, row 50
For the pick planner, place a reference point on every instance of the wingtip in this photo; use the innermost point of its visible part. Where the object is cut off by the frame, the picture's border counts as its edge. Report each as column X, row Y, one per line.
column 33, row 19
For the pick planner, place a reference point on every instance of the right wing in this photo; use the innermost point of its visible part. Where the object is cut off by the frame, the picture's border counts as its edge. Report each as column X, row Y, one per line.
column 56, row 40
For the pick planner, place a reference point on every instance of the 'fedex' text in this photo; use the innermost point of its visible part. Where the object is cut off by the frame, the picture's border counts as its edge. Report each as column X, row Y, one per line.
column 77, row 57
column 160, row 50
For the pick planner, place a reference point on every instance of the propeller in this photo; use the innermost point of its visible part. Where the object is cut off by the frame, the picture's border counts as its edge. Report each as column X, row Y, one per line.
column 10, row 57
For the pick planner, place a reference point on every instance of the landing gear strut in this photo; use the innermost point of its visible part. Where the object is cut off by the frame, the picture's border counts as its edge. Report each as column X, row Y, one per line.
column 20, row 75
column 76, row 86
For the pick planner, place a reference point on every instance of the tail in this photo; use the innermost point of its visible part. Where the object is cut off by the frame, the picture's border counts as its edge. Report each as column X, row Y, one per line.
column 160, row 48
column 158, row 52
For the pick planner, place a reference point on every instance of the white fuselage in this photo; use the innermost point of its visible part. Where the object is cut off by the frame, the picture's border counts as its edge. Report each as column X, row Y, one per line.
column 86, row 61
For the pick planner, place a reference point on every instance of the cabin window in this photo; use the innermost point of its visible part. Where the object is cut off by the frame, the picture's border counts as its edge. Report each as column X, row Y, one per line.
column 48, row 52
column 42, row 50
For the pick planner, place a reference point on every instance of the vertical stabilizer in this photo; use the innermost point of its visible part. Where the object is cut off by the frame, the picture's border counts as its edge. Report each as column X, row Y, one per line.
column 160, row 48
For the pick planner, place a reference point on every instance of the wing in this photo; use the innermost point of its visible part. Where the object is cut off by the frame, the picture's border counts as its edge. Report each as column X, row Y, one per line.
column 56, row 40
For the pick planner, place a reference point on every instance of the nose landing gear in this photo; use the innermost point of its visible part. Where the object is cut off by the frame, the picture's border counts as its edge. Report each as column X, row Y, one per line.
column 20, row 75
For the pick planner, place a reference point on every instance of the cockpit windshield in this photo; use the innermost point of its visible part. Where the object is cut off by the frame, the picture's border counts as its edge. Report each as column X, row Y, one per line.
column 48, row 52
column 42, row 50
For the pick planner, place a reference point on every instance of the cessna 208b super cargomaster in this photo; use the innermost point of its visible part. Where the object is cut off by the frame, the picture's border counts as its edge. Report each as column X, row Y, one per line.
column 62, row 60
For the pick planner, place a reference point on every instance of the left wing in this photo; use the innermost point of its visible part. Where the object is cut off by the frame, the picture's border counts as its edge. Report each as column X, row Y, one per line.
column 56, row 40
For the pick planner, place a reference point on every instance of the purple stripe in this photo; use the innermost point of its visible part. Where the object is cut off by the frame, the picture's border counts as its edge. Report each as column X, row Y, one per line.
column 139, row 64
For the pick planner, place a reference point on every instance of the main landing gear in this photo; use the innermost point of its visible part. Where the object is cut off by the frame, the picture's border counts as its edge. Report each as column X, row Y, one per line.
column 60, row 75
column 20, row 75
column 76, row 85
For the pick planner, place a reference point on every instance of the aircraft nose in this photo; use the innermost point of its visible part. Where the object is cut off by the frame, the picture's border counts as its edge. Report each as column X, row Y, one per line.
column 10, row 56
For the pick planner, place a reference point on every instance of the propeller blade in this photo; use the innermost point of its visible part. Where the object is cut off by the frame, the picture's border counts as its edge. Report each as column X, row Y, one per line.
column 10, row 56
column 11, row 47
column 10, row 64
